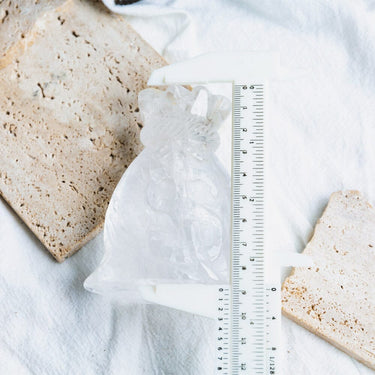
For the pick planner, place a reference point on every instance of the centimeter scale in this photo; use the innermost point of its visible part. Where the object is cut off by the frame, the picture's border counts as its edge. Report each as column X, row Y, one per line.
column 247, row 311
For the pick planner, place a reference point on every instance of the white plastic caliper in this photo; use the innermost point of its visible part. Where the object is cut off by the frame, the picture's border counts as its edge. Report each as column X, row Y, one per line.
column 248, row 310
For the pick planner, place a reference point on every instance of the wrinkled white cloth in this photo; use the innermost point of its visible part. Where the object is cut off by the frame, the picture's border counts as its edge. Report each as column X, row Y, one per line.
column 321, row 139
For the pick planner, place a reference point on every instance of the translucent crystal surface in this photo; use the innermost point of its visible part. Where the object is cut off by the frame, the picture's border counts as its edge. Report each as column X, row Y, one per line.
column 169, row 218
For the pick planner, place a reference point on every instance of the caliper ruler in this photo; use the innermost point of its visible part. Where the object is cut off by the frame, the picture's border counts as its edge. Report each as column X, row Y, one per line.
column 247, row 310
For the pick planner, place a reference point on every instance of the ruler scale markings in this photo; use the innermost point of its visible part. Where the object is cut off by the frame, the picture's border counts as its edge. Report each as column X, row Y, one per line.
column 245, row 305
column 245, row 344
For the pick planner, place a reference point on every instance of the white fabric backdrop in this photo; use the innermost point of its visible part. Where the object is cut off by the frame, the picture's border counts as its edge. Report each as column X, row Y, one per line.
column 321, row 140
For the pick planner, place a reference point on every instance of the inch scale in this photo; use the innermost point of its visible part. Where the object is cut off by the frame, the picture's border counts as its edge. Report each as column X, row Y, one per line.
column 249, row 310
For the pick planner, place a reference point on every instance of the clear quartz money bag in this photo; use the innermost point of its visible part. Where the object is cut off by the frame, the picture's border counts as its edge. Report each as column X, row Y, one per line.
column 169, row 218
